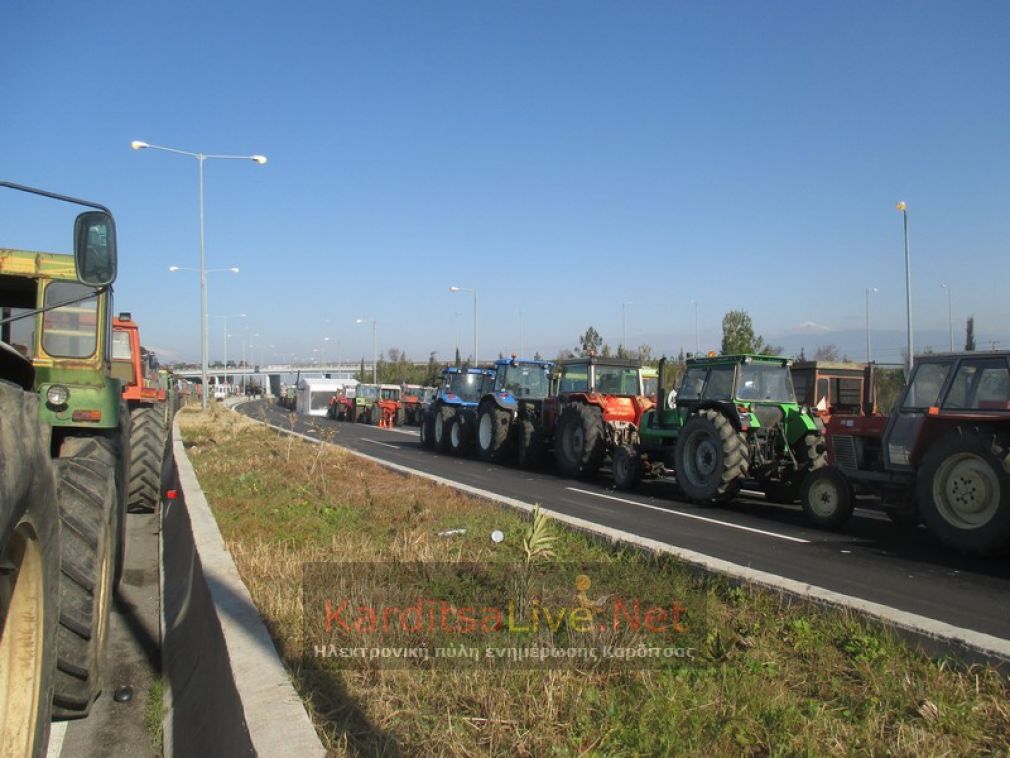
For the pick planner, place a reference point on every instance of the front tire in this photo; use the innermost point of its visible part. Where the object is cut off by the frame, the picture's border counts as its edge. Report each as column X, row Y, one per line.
column 964, row 492
column 580, row 445
column 87, row 497
column 442, row 422
column 827, row 498
column 711, row 458
column 626, row 467
column 492, row 432
column 531, row 448
column 425, row 432
column 459, row 439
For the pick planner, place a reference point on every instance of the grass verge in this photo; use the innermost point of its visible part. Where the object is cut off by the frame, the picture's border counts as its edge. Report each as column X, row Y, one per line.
column 774, row 677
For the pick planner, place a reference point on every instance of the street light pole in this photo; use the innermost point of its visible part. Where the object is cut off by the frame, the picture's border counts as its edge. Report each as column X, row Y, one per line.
column 474, row 291
column 903, row 207
column 950, row 316
column 224, row 317
column 697, row 348
column 200, row 158
column 869, row 354
column 521, row 349
column 624, row 327
column 375, row 350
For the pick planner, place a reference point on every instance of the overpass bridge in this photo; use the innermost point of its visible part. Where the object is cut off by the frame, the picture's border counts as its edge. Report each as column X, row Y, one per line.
column 268, row 376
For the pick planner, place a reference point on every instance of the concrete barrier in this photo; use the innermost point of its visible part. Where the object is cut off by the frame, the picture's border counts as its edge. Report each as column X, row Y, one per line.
column 228, row 693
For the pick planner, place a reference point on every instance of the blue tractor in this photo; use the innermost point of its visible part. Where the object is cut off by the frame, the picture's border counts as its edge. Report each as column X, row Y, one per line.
column 447, row 422
column 509, row 411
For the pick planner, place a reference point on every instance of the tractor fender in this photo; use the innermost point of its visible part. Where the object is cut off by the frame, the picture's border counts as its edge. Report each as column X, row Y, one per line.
column 504, row 400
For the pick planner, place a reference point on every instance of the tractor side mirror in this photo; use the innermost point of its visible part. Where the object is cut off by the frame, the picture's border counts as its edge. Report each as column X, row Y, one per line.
column 95, row 248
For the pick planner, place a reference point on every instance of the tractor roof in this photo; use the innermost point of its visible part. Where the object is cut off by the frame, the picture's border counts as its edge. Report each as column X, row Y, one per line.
column 597, row 360
column 465, row 370
column 829, row 366
column 37, row 265
column 960, row 355
column 715, row 360
column 523, row 362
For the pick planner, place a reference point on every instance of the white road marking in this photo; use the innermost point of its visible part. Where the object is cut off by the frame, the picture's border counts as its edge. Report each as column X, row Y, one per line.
column 384, row 444
column 689, row 515
column 57, row 732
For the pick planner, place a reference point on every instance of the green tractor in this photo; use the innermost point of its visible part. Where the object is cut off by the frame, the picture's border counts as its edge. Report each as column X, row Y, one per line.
column 734, row 419
column 365, row 398
column 63, row 467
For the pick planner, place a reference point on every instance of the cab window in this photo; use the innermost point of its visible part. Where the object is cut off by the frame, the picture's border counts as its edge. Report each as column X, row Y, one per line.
column 70, row 331
column 720, row 384
column 926, row 385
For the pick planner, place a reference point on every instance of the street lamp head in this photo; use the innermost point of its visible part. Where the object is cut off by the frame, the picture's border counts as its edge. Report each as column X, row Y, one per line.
column 260, row 159
column 360, row 320
column 138, row 145
column 234, row 269
column 174, row 268
column 902, row 206
column 455, row 289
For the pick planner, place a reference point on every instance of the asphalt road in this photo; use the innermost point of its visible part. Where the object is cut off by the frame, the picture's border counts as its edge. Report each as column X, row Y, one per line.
column 870, row 558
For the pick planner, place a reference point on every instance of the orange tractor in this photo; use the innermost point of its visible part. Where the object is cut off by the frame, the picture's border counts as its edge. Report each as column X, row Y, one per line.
column 137, row 368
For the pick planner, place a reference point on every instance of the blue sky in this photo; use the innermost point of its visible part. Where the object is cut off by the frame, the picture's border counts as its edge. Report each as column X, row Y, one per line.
column 562, row 158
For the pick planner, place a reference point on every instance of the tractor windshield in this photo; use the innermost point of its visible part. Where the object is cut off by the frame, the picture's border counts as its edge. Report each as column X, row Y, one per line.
column 980, row 384
column 924, row 391
column 524, row 381
column 368, row 391
column 70, row 331
column 466, row 386
column 765, row 383
column 390, row 393
column 615, row 380
column 121, row 346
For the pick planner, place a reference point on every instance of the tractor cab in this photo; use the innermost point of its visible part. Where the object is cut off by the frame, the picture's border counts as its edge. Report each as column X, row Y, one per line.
column 944, row 390
column 522, row 379
column 389, row 392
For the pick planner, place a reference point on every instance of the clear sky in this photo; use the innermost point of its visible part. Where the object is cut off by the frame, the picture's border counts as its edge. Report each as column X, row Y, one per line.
column 562, row 158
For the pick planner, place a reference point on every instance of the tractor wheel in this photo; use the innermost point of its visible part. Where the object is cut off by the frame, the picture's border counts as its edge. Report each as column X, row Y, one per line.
column 827, row 497
column 810, row 456
column 492, row 431
column 425, row 431
column 711, row 458
column 87, row 498
column 440, row 427
column 460, row 440
column 116, row 454
column 375, row 415
column 401, row 417
column 626, row 467
column 29, row 581
column 147, row 453
column 532, row 450
column 964, row 492
column 580, row 445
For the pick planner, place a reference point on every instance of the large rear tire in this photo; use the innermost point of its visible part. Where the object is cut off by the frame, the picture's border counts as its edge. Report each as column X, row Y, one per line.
column 29, row 583
column 964, row 492
column 87, row 498
column 711, row 458
column 147, row 454
column 827, row 497
column 492, row 431
column 580, row 446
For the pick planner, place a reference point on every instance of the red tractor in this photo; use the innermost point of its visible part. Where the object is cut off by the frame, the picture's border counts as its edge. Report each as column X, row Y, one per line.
column 388, row 410
column 413, row 397
column 146, row 398
column 943, row 455
column 597, row 406
column 341, row 405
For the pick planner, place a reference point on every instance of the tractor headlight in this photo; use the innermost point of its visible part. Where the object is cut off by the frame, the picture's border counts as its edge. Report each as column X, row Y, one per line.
column 57, row 395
